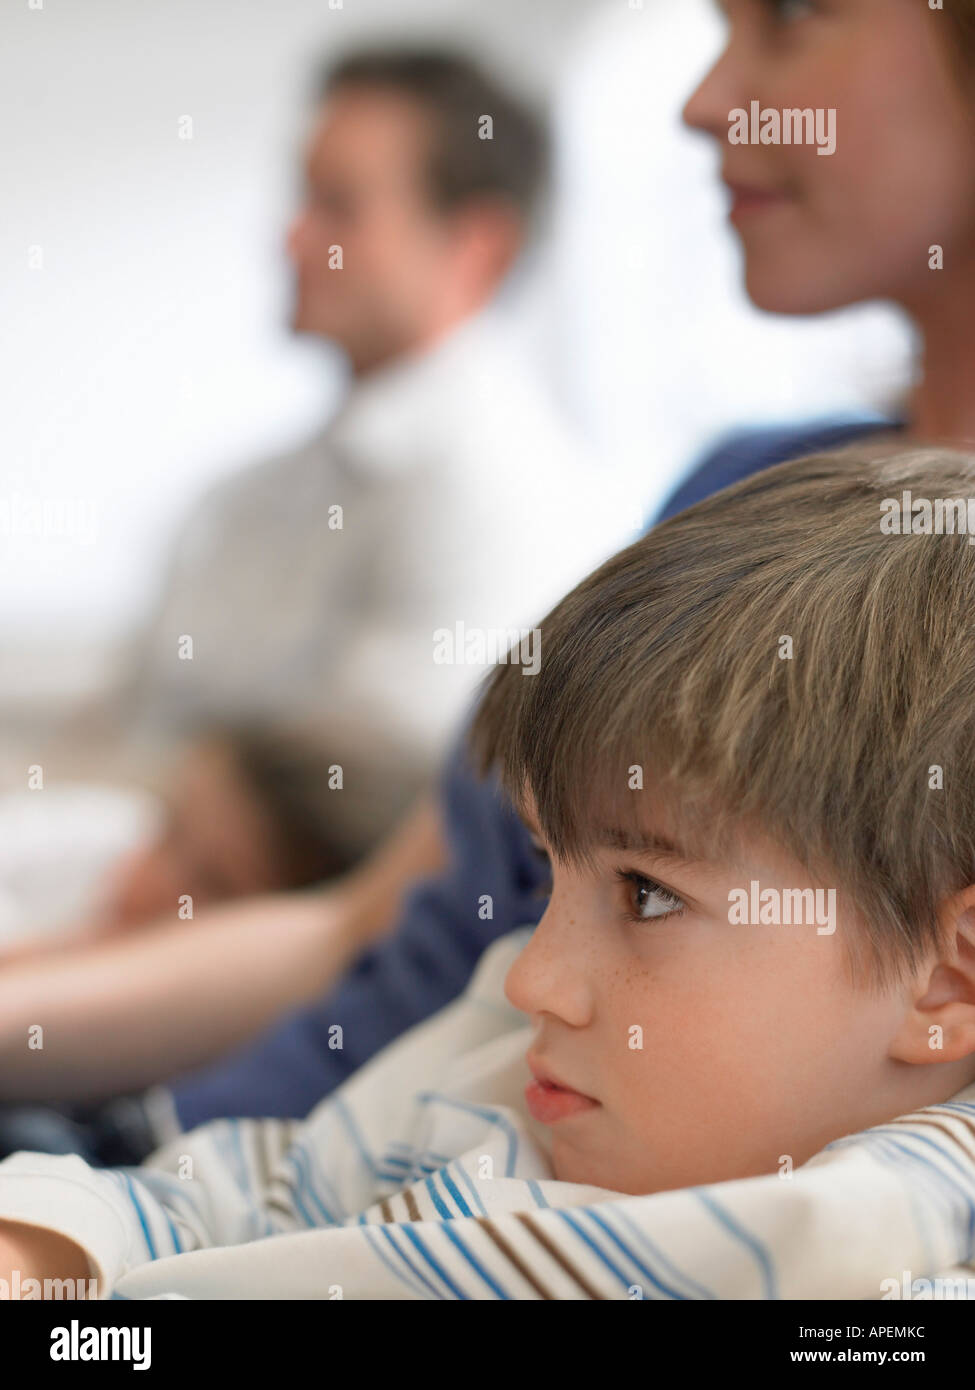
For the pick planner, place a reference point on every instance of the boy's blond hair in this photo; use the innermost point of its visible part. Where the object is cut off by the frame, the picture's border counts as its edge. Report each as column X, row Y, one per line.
column 771, row 658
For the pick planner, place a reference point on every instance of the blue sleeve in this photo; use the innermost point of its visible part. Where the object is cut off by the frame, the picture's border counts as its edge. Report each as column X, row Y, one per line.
column 443, row 931
column 750, row 451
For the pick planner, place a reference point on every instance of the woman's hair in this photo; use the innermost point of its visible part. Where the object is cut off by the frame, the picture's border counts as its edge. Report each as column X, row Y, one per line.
column 772, row 659
column 961, row 16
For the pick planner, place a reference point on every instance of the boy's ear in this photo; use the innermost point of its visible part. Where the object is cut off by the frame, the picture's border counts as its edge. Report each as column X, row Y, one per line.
column 939, row 1025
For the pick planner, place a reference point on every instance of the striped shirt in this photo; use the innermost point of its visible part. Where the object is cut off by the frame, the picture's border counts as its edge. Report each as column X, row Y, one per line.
column 423, row 1177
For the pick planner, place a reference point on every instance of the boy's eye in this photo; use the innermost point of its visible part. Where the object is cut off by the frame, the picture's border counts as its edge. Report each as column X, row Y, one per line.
column 647, row 899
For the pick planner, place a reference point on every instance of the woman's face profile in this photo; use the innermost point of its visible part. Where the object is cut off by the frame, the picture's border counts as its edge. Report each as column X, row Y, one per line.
column 822, row 230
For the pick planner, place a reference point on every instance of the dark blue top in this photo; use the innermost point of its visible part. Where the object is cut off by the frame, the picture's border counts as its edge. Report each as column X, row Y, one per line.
column 429, row 959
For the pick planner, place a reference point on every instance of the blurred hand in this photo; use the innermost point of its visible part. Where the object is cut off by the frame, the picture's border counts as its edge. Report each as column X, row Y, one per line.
column 35, row 1253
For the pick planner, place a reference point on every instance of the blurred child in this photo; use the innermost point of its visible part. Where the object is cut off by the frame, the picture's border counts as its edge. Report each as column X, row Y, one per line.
column 246, row 813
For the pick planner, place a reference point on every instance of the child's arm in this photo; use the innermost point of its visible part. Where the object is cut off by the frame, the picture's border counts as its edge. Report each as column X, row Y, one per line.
column 207, row 1189
column 236, row 1181
column 124, row 1014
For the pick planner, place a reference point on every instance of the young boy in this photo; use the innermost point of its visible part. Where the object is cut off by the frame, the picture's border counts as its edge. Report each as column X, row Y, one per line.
column 738, row 1053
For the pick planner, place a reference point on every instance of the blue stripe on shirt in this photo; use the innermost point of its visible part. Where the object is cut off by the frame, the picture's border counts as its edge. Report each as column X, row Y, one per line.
column 752, row 1243
column 455, row 1192
column 631, row 1255
column 143, row 1222
column 434, row 1264
column 697, row 1290
column 484, row 1113
column 600, row 1254
column 451, row 1232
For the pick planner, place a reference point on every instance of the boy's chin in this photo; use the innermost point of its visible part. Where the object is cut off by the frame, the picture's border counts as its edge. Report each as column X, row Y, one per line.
column 610, row 1167
column 603, row 1170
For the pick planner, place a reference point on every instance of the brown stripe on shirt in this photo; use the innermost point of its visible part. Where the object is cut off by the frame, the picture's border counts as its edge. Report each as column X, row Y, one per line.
column 512, row 1256
column 557, row 1255
column 937, row 1124
column 281, row 1205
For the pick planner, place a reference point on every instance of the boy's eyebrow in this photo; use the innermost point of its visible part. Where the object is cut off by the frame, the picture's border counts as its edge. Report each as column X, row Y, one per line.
column 644, row 842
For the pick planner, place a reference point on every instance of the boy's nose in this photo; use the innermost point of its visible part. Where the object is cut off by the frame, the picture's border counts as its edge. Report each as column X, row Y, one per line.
column 550, row 976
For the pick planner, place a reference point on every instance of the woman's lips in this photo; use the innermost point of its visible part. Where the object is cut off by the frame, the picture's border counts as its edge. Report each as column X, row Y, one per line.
column 746, row 202
column 548, row 1101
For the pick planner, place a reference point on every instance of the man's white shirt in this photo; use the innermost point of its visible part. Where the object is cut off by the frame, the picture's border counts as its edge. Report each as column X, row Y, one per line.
column 448, row 490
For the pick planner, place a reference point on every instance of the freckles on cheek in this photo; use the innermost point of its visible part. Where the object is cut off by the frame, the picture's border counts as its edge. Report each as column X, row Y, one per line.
column 635, row 997
column 668, row 1031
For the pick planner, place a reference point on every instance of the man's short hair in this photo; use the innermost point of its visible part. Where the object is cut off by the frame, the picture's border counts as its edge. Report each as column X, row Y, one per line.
column 457, row 93
column 779, row 656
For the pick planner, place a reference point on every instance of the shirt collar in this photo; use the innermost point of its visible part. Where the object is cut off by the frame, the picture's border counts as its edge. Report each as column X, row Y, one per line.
column 384, row 426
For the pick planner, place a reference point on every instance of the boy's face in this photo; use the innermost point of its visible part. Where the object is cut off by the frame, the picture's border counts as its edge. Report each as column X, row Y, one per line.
column 710, row 1049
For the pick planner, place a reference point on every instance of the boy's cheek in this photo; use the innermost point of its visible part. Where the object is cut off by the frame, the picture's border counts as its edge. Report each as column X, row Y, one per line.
column 711, row 1048
column 736, row 1057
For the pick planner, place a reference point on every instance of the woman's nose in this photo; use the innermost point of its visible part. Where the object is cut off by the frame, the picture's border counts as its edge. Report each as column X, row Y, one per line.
column 296, row 235
column 707, row 108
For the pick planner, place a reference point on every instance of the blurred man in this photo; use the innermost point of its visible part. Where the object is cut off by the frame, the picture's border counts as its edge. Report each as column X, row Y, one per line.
column 445, row 495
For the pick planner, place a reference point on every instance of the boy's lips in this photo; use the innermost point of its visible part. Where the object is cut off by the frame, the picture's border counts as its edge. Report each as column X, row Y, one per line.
column 550, row 1100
